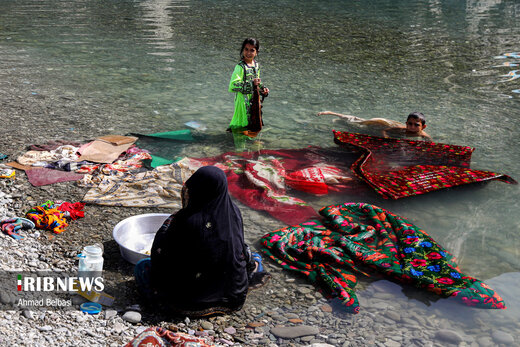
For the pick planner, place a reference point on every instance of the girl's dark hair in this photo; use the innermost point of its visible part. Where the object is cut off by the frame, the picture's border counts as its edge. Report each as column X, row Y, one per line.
column 252, row 41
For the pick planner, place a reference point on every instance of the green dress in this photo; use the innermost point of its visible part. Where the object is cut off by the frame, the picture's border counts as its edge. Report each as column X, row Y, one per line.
column 243, row 89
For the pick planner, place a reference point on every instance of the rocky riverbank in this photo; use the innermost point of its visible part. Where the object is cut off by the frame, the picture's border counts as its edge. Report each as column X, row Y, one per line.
column 286, row 311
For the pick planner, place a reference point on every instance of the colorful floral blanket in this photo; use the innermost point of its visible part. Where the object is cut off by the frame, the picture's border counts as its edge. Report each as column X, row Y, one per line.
column 358, row 238
column 398, row 168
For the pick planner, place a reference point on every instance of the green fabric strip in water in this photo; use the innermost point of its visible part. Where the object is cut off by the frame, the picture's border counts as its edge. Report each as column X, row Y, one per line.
column 179, row 135
column 158, row 161
column 359, row 238
column 165, row 147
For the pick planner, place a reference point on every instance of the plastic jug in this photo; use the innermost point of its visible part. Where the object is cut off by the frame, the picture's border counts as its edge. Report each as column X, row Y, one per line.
column 90, row 262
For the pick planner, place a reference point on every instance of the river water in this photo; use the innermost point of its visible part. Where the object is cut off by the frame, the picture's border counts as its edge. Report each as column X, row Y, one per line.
column 150, row 66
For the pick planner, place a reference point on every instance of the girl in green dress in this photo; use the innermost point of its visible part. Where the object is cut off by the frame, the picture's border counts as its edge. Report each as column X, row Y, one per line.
column 246, row 74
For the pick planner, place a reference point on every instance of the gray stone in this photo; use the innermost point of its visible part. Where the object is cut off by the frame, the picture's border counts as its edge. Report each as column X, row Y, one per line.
column 291, row 315
column 230, row 330
column 380, row 305
column 304, row 290
column 448, row 336
column 5, row 298
column 206, row 325
column 502, row 337
column 226, row 342
column 132, row 317
column 409, row 322
column 395, row 316
column 294, row 332
column 28, row 314
column 110, row 314
column 118, row 327
column 485, row 341
column 392, row 343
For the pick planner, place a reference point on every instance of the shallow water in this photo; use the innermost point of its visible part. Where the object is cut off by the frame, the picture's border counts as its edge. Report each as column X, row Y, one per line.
column 150, row 66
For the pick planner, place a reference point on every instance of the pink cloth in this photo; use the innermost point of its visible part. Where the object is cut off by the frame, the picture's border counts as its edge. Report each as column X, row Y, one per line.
column 41, row 176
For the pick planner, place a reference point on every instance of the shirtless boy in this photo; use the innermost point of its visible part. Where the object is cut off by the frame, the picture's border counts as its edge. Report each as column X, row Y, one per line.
column 415, row 124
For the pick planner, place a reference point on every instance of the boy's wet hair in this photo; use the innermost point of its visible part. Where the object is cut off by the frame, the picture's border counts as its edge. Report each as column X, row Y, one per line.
column 417, row 115
column 253, row 42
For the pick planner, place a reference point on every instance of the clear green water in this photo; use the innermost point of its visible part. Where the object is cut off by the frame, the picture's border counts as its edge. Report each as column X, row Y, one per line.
column 151, row 66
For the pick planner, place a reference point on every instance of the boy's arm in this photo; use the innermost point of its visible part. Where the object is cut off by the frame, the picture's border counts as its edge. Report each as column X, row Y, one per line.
column 388, row 132
column 330, row 112
column 426, row 136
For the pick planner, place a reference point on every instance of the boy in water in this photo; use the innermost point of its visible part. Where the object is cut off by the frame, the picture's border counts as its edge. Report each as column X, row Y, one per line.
column 415, row 124
column 414, row 127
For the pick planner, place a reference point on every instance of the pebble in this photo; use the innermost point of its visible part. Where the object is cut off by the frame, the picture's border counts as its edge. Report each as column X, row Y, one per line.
column 395, row 316
column 28, row 314
column 293, row 332
column 118, row 327
column 206, row 325
column 392, row 343
column 5, row 298
column 226, row 342
column 255, row 324
column 110, row 314
column 230, row 330
column 449, row 336
column 45, row 328
column 132, row 317
column 502, row 337
column 326, row 308
column 304, row 290
column 485, row 341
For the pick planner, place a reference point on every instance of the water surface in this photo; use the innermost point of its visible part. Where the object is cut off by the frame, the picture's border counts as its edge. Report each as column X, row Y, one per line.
column 150, row 66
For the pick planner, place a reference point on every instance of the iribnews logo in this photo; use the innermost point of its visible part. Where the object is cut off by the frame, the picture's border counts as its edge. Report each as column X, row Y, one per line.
column 59, row 284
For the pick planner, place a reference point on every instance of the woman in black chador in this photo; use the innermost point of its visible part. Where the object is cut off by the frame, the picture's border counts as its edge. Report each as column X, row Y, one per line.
column 199, row 262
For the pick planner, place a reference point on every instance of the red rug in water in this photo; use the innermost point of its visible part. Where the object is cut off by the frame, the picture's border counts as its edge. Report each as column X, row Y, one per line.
column 266, row 180
column 398, row 168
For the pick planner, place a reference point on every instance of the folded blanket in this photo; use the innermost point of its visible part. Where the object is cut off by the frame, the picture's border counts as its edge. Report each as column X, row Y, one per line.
column 358, row 238
column 106, row 149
